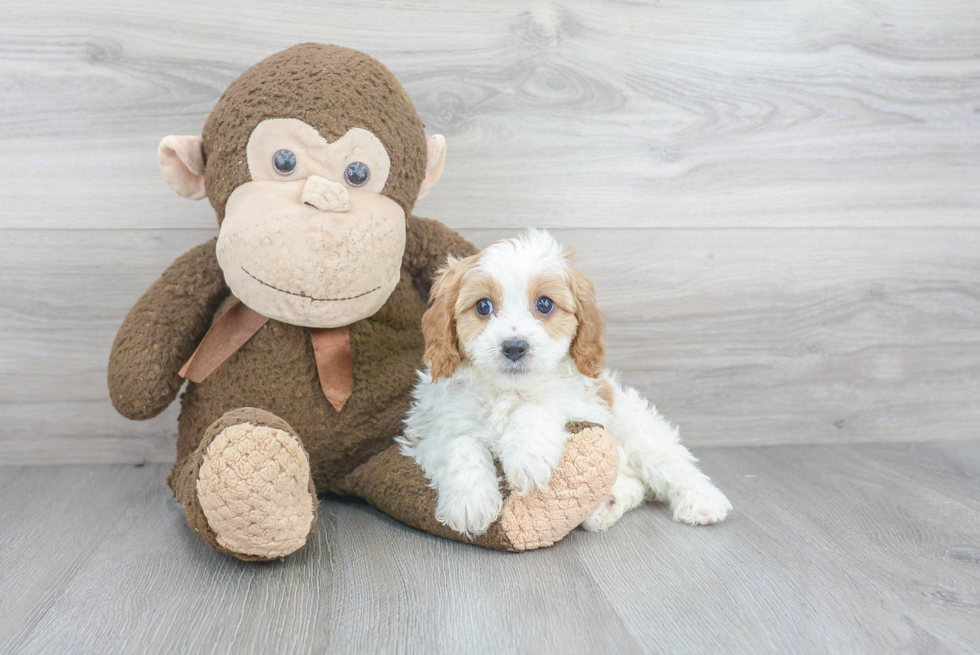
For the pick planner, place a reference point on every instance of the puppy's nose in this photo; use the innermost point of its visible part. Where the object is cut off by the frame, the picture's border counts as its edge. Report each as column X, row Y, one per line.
column 325, row 195
column 514, row 349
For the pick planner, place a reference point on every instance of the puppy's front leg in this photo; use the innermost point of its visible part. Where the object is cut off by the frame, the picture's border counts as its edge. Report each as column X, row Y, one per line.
column 464, row 476
column 530, row 451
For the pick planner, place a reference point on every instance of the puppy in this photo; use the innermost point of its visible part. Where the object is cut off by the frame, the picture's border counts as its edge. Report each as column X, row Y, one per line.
column 514, row 351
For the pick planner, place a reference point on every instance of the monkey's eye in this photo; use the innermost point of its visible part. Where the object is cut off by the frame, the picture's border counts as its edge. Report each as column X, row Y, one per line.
column 484, row 307
column 545, row 305
column 357, row 173
column 284, row 161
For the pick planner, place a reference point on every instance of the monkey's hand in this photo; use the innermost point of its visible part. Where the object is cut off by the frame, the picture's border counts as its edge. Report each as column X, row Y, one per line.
column 161, row 332
column 428, row 244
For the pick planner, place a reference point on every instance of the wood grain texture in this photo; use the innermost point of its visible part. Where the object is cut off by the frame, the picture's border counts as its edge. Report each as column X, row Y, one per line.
column 865, row 550
column 758, row 336
column 626, row 114
column 51, row 521
column 858, row 548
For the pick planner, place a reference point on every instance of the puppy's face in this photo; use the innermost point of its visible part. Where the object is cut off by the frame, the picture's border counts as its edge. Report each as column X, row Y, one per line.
column 515, row 309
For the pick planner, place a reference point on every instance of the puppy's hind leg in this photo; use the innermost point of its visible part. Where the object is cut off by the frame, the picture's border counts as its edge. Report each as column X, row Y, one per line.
column 666, row 467
column 693, row 498
column 627, row 493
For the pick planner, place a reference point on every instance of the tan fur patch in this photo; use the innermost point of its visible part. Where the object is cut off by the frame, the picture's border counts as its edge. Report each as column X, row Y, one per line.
column 561, row 322
column 606, row 391
column 254, row 489
column 554, row 286
column 474, row 287
column 587, row 347
column 438, row 323
column 468, row 327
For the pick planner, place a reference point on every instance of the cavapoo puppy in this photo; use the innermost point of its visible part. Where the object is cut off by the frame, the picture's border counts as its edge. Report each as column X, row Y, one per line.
column 514, row 352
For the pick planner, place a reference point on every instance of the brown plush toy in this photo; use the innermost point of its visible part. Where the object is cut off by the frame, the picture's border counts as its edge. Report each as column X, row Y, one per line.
column 298, row 329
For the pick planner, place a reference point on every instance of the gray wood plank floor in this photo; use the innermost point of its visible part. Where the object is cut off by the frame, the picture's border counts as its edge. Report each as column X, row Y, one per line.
column 832, row 548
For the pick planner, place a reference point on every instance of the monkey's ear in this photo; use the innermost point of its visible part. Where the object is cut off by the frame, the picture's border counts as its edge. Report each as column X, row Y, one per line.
column 182, row 165
column 434, row 163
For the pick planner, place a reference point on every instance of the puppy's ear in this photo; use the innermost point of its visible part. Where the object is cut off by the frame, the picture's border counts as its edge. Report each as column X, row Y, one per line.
column 587, row 348
column 438, row 322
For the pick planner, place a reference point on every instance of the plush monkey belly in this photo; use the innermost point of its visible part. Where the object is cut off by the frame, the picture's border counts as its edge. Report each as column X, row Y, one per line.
column 276, row 371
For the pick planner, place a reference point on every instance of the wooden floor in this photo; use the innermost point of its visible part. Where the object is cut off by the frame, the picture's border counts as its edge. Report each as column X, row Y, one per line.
column 848, row 548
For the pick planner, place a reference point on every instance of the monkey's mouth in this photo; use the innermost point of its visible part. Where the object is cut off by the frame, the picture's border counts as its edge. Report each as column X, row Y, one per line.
column 303, row 295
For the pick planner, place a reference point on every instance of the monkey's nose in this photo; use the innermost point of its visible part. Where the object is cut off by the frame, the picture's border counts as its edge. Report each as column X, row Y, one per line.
column 325, row 195
column 514, row 349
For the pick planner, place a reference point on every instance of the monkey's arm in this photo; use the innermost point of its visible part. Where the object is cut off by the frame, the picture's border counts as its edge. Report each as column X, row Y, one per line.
column 161, row 332
column 427, row 245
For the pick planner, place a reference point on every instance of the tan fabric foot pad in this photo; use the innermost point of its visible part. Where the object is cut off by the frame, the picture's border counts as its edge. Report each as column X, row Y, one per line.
column 585, row 475
column 396, row 485
column 254, row 489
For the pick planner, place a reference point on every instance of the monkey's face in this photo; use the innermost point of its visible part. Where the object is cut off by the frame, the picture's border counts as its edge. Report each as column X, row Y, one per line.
column 312, row 232
column 311, row 240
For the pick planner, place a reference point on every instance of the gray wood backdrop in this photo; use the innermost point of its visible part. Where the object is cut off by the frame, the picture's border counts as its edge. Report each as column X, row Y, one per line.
column 779, row 201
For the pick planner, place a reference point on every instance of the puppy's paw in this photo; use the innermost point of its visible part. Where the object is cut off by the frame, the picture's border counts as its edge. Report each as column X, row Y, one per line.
column 605, row 515
column 701, row 505
column 627, row 493
column 469, row 511
column 529, row 473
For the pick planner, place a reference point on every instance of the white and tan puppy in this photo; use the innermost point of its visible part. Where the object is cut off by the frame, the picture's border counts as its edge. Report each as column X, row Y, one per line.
column 514, row 352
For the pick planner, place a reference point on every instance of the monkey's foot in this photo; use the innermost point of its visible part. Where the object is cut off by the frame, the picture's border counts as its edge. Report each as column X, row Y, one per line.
column 252, row 487
column 394, row 483
column 583, row 479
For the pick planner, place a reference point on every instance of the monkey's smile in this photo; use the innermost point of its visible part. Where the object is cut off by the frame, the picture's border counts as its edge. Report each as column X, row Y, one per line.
column 303, row 295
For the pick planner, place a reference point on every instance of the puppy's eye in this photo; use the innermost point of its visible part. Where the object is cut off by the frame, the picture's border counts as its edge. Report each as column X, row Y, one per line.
column 357, row 173
column 284, row 161
column 545, row 305
column 484, row 307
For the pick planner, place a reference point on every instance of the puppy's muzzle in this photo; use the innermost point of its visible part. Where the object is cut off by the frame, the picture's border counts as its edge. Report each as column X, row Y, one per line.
column 514, row 349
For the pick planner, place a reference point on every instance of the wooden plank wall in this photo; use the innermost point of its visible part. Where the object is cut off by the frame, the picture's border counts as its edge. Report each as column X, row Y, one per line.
column 779, row 201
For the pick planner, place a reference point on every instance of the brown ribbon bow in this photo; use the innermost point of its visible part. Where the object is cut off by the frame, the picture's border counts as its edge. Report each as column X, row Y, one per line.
column 331, row 348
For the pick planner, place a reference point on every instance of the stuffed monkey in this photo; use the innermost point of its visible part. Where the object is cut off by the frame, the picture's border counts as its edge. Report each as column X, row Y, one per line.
column 298, row 328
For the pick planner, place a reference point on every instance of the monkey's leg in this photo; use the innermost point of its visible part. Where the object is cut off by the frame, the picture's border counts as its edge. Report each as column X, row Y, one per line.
column 246, row 489
column 396, row 485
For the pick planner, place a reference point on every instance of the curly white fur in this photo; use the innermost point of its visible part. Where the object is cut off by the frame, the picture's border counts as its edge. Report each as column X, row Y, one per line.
column 514, row 412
